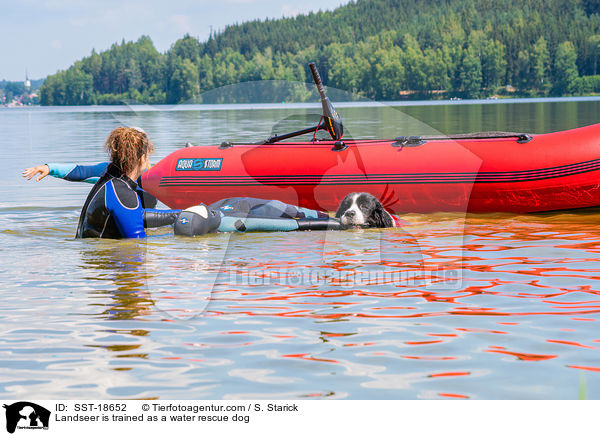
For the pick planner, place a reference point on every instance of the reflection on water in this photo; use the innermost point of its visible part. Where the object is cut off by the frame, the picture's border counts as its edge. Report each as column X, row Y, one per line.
column 508, row 313
column 487, row 307
column 119, row 271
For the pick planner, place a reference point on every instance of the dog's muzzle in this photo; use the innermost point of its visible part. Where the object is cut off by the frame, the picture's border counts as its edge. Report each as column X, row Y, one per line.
column 351, row 218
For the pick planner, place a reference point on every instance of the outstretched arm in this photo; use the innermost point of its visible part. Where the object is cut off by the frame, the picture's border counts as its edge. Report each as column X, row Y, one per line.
column 81, row 173
column 70, row 171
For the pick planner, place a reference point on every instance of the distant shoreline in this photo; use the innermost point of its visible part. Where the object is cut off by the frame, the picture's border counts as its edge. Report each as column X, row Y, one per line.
column 268, row 106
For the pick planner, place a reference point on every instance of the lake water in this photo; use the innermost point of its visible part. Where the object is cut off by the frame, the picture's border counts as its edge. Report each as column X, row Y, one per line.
column 477, row 307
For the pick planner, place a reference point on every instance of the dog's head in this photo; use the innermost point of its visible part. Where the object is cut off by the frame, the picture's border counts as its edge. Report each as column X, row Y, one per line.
column 364, row 210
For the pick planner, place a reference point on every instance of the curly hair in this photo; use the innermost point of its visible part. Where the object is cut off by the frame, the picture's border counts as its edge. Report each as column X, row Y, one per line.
column 126, row 146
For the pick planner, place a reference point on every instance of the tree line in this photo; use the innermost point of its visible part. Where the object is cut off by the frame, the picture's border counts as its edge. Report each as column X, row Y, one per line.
column 381, row 49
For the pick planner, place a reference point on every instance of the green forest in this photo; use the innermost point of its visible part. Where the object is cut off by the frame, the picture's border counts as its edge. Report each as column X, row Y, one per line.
column 376, row 49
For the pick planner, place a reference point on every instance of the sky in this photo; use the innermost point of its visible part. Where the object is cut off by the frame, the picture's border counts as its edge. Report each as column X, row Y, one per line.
column 42, row 36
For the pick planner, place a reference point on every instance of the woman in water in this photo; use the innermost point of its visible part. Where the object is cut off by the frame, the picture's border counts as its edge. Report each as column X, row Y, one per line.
column 114, row 207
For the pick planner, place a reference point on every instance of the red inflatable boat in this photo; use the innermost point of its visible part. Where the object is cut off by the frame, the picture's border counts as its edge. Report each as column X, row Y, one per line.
column 491, row 172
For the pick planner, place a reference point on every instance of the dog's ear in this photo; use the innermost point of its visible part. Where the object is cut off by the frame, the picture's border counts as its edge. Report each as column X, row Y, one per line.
column 379, row 217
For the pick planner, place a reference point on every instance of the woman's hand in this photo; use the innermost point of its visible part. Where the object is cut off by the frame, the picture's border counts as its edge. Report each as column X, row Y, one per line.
column 43, row 170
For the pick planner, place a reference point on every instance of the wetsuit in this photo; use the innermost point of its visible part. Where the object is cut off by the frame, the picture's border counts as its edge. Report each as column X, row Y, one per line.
column 245, row 214
column 255, row 214
column 91, row 174
column 113, row 209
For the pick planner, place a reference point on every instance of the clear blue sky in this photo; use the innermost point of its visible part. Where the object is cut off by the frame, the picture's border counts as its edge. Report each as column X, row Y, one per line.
column 43, row 36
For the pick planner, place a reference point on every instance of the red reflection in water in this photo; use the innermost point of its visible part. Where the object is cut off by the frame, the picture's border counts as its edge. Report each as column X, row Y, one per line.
column 363, row 344
column 481, row 331
column 450, row 374
column 316, row 315
column 505, row 275
column 445, row 394
column 525, row 356
column 575, row 344
column 587, row 368
column 429, row 357
column 422, row 342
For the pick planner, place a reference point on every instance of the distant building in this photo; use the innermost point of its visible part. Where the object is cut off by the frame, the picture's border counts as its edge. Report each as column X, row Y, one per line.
column 27, row 81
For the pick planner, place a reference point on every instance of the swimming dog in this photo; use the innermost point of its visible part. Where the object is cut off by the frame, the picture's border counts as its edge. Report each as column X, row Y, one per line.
column 362, row 209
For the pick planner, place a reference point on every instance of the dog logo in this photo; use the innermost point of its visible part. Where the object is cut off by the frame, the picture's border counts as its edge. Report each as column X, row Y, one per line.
column 26, row 415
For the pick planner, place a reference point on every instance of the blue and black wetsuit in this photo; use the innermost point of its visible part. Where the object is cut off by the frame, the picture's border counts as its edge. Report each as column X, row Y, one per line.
column 91, row 174
column 113, row 209
column 247, row 214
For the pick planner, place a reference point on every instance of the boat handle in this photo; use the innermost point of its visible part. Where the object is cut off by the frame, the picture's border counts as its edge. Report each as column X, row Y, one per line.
column 414, row 141
column 339, row 146
column 408, row 141
column 524, row 138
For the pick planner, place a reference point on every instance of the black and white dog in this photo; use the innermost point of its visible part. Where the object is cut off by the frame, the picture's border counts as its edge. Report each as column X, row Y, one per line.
column 362, row 209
